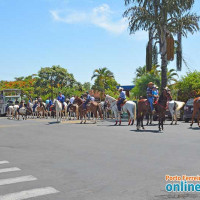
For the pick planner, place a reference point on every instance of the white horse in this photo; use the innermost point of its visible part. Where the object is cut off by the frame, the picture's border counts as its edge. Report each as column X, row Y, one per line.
column 104, row 109
column 58, row 110
column 129, row 107
column 10, row 112
column 175, row 106
column 15, row 107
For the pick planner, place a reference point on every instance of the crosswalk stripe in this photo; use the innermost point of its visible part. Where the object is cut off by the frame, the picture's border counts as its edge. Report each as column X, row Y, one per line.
column 17, row 180
column 4, row 162
column 29, row 193
column 12, row 169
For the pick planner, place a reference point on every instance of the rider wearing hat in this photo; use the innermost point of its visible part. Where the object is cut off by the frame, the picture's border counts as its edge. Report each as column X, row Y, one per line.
column 122, row 97
column 150, row 96
column 88, row 99
column 61, row 98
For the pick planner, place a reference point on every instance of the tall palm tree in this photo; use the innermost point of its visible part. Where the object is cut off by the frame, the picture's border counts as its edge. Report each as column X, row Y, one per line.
column 162, row 17
column 102, row 75
column 171, row 74
column 140, row 71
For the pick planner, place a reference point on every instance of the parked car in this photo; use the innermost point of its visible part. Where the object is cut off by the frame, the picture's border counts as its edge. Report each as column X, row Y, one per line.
column 188, row 110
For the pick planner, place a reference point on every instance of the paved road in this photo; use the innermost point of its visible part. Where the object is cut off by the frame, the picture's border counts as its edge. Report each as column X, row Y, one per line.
column 69, row 161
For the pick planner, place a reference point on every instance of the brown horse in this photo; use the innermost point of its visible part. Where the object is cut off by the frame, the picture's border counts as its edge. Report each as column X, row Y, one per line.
column 196, row 110
column 73, row 109
column 143, row 110
column 160, row 107
column 91, row 107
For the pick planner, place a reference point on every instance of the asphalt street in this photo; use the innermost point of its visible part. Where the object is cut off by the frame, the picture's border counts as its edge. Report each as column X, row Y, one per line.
column 69, row 161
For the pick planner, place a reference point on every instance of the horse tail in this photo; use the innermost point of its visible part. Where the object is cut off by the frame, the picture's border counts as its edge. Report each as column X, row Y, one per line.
column 135, row 111
column 77, row 111
column 179, row 105
column 99, row 110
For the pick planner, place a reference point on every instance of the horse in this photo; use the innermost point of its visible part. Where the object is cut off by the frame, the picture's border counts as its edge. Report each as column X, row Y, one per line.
column 10, row 112
column 91, row 107
column 73, row 109
column 160, row 107
column 144, row 109
column 58, row 106
column 129, row 107
column 24, row 112
column 104, row 109
column 196, row 109
column 174, row 107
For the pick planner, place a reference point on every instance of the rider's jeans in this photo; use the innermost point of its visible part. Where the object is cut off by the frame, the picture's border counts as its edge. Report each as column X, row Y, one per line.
column 119, row 103
column 150, row 99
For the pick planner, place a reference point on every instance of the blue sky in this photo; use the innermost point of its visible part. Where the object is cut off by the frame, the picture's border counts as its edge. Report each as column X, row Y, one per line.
column 80, row 35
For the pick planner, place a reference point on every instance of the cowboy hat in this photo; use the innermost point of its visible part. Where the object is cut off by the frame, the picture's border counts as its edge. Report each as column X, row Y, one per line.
column 120, row 88
column 150, row 83
column 166, row 88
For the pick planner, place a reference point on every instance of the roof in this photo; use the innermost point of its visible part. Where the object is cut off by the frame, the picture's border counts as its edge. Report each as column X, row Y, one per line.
column 126, row 87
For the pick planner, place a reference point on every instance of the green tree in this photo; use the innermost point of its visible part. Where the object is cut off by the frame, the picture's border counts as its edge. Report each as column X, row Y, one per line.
column 102, row 75
column 171, row 76
column 87, row 86
column 53, row 77
column 188, row 86
column 162, row 17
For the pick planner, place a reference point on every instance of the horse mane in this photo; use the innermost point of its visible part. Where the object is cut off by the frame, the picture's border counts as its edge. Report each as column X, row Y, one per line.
column 110, row 97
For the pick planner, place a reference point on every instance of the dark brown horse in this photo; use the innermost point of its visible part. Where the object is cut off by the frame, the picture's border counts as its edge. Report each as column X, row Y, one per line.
column 196, row 110
column 160, row 107
column 143, row 110
column 91, row 107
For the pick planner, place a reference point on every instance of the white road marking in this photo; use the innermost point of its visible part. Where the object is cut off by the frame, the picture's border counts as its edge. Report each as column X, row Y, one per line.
column 13, row 169
column 4, row 162
column 17, row 180
column 29, row 193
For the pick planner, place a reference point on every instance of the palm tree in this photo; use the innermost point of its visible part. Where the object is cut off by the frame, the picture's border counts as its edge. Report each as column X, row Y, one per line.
column 171, row 76
column 140, row 71
column 162, row 17
column 102, row 75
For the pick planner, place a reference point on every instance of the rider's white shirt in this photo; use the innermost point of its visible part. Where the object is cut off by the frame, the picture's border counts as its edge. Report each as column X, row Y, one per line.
column 72, row 100
column 92, row 99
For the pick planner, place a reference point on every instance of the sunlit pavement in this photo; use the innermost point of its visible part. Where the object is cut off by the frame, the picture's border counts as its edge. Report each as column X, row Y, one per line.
column 70, row 161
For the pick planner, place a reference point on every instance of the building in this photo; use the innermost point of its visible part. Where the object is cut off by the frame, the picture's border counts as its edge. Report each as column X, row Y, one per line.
column 127, row 88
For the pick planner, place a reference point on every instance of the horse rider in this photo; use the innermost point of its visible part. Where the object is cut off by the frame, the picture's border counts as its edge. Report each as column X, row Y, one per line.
column 155, row 93
column 92, row 98
column 150, row 96
column 16, row 102
column 71, row 101
column 9, row 103
column 21, row 105
column 88, row 99
column 35, row 104
column 61, row 99
column 122, row 97
column 40, row 101
column 48, row 103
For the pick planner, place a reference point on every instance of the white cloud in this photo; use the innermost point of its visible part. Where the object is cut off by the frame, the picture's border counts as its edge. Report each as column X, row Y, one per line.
column 101, row 16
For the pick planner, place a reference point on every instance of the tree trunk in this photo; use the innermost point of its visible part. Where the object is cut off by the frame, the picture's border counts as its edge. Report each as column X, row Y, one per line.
column 163, row 48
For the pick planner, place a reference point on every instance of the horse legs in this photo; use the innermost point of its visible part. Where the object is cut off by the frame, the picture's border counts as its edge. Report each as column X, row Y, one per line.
column 198, row 119
column 138, row 123
column 159, row 123
column 193, row 115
